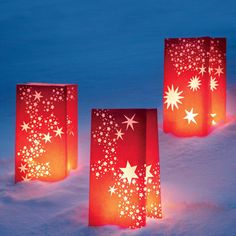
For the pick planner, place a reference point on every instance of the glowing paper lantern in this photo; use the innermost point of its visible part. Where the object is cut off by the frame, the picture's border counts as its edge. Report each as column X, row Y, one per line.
column 46, row 131
column 194, row 85
column 124, row 168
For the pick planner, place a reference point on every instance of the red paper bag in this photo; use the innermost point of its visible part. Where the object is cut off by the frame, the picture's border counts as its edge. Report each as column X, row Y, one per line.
column 46, row 131
column 124, row 167
column 194, row 85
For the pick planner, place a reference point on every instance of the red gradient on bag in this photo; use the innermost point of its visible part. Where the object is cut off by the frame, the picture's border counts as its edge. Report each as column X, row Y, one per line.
column 194, row 97
column 46, row 131
column 124, row 167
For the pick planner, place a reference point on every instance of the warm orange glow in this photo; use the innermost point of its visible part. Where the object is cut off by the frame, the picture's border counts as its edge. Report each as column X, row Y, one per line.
column 124, row 167
column 194, row 85
column 46, row 131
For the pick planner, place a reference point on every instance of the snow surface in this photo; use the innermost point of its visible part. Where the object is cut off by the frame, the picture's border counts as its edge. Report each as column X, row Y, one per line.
column 114, row 51
column 198, row 193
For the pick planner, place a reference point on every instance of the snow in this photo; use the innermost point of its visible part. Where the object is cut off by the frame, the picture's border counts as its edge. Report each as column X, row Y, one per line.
column 114, row 51
column 198, row 193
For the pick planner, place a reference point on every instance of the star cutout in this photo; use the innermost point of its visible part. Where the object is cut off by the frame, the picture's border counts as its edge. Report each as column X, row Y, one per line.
column 213, row 115
column 25, row 126
column 219, row 71
column 213, row 84
column 58, row 132
column 202, row 70
column 112, row 190
column 194, row 83
column 129, row 122
column 173, row 97
column 23, row 168
column 37, row 96
column 26, row 178
column 210, row 70
column 190, row 116
column 119, row 134
column 129, row 172
column 148, row 173
column 47, row 138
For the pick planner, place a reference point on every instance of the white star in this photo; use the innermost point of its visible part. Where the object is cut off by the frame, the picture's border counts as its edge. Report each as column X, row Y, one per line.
column 148, row 173
column 47, row 138
column 129, row 122
column 194, row 83
column 213, row 83
column 37, row 95
column 58, row 132
column 173, row 97
column 202, row 70
column 213, row 115
column 23, row 168
column 210, row 70
column 26, row 178
column 129, row 172
column 190, row 116
column 219, row 71
column 119, row 134
column 112, row 190
column 25, row 126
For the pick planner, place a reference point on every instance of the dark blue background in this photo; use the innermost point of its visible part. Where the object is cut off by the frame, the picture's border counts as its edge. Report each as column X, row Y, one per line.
column 112, row 49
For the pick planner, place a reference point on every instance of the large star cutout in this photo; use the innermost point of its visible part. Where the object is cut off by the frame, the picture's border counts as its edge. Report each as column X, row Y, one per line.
column 213, row 84
column 173, row 97
column 119, row 134
column 213, row 115
column 47, row 138
column 37, row 96
column 129, row 172
column 219, row 71
column 190, row 116
column 58, row 132
column 23, row 168
column 26, row 178
column 210, row 69
column 148, row 173
column 25, row 126
column 129, row 122
column 194, row 83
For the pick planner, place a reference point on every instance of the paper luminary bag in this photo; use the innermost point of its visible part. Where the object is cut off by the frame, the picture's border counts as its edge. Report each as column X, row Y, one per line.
column 194, row 85
column 124, row 167
column 46, row 131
